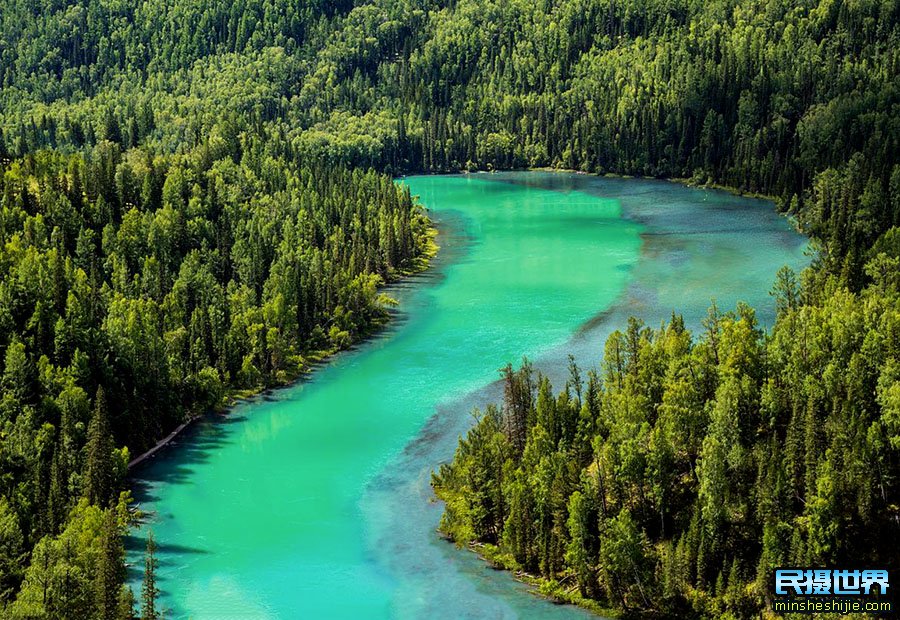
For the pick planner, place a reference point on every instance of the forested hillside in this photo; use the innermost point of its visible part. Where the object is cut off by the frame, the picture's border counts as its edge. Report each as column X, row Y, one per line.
column 195, row 194
column 136, row 290
column 792, row 99
column 675, row 477
column 150, row 263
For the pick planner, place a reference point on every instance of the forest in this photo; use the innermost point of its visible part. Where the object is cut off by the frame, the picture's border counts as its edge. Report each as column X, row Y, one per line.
column 140, row 290
column 196, row 198
column 679, row 474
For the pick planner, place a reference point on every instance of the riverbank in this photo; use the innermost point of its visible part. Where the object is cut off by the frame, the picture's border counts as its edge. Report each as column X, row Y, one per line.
column 670, row 260
column 559, row 592
column 688, row 182
column 685, row 181
column 316, row 499
column 311, row 358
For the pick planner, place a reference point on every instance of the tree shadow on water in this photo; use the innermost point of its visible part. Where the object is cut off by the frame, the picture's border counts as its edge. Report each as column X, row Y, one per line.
column 175, row 463
column 167, row 554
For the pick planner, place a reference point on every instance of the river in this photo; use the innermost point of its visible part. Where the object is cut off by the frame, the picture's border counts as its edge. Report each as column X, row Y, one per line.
column 313, row 501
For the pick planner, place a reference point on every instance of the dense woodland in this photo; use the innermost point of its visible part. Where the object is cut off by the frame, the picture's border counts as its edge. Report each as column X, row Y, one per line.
column 677, row 475
column 194, row 195
column 681, row 472
column 796, row 100
column 137, row 290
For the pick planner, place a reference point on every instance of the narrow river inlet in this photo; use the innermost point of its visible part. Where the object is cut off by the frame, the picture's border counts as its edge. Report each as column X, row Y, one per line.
column 313, row 501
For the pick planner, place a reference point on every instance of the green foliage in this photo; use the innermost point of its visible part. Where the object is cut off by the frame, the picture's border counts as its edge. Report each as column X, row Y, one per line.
column 193, row 199
column 77, row 574
column 222, row 277
column 712, row 461
column 149, row 590
column 99, row 472
column 793, row 100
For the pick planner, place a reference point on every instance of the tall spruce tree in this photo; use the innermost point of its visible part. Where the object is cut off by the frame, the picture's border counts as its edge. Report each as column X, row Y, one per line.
column 99, row 471
column 149, row 590
column 110, row 569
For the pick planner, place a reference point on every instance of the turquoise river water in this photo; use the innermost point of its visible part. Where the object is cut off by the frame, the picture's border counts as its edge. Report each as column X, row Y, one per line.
column 313, row 501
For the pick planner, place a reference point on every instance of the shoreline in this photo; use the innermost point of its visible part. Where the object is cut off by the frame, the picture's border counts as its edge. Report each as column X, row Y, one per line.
column 555, row 592
column 687, row 182
column 552, row 591
column 684, row 181
column 562, row 592
column 312, row 359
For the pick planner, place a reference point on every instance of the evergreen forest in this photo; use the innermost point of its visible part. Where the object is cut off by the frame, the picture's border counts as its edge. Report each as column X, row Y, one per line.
column 197, row 201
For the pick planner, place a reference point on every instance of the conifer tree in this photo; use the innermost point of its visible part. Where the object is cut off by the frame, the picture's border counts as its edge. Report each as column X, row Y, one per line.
column 110, row 569
column 99, row 471
column 149, row 590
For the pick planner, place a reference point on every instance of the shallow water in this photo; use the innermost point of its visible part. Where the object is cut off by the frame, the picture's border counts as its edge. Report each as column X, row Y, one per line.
column 314, row 501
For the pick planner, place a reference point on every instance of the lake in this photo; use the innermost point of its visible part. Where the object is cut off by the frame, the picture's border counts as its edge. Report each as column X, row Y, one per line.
column 313, row 501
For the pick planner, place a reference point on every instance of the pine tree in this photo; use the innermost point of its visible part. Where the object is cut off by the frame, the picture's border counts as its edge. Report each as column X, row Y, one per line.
column 149, row 591
column 99, row 477
column 57, row 500
column 110, row 569
column 812, row 440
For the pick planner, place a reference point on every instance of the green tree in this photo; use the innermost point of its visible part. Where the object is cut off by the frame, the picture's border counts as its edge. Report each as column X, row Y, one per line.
column 110, row 569
column 99, row 478
column 149, row 590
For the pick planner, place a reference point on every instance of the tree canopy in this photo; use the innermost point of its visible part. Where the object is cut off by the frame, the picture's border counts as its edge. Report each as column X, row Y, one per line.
column 688, row 469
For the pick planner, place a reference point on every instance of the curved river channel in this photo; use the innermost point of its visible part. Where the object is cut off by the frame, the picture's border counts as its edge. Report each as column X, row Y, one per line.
column 314, row 502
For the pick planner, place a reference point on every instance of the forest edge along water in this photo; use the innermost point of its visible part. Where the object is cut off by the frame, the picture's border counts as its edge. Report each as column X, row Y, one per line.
column 313, row 360
column 258, row 516
column 323, row 356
